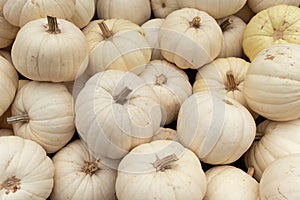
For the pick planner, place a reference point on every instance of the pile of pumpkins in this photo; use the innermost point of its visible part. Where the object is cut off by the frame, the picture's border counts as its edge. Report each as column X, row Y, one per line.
column 149, row 99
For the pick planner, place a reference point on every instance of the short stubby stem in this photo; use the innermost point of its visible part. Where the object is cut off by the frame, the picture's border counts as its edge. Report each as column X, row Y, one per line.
column 90, row 168
column 161, row 79
column 18, row 118
column 121, row 98
column 53, row 25
column 231, row 84
column 105, row 30
column 196, row 22
column 226, row 23
column 164, row 163
column 11, row 185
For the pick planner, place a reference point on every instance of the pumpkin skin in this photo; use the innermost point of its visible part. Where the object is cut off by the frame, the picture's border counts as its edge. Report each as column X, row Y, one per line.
column 8, row 84
column 229, row 182
column 262, row 32
column 116, row 111
column 26, row 168
column 53, row 56
column 233, row 30
column 215, row 8
column 83, row 13
column 79, row 176
column 162, row 8
column 165, row 134
column 18, row 13
column 6, row 132
column 218, row 123
column 181, row 178
column 171, row 85
column 136, row 11
column 259, row 5
column 151, row 29
column 190, row 38
column 272, row 86
column 37, row 114
column 278, row 139
column 122, row 45
column 281, row 179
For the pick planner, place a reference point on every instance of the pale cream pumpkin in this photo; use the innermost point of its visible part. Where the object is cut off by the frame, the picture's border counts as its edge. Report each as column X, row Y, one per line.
column 233, row 30
column 8, row 84
column 276, row 139
column 50, row 49
column 136, row 11
column 20, row 12
column 259, row 5
column 162, row 8
column 190, row 38
column 215, row 8
column 116, row 44
column 171, row 85
column 116, row 111
column 229, row 182
column 6, row 54
column 161, row 169
column 245, row 13
column 151, row 29
column 84, row 12
column 281, row 179
column 80, row 176
column 225, row 76
column 6, row 132
column 209, row 122
column 274, row 25
column 272, row 83
column 26, row 171
column 165, row 134
column 43, row 112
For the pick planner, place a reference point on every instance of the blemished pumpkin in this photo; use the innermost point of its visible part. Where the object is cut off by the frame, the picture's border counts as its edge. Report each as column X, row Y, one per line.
column 43, row 112
column 274, row 25
column 26, row 170
column 80, row 176
column 259, row 5
column 281, row 179
column 116, row 44
column 229, row 182
column 275, row 140
column 209, row 122
column 165, row 134
column 233, row 30
column 151, row 29
column 116, row 111
column 136, row 11
column 50, row 49
column 272, row 83
column 162, row 8
column 171, row 86
column 20, row 12
column 8, row 84
column 215, row 8
column 162, row 169
column 190, row 38
column 83, row 13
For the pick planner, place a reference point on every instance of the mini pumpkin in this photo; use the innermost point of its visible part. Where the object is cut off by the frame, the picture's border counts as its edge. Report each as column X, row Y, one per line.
column 83, row 13
column 162, row 8
column 259, row 5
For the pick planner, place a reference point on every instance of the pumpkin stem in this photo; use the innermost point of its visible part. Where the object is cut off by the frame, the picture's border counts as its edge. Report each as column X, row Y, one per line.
column 161, row 79
column 250, row 171
column 11, row 185
column 164, row 163
column 258, row 135
column 121, row 98
column 90, row 167
column 53, row 25
column 196, row 22
column 277, row 35
column 226, row 23
column 18, row 118
column 105, row 30
column 231, row 84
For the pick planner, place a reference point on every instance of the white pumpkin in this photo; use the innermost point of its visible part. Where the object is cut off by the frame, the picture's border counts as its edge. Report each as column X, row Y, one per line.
column 161, row 169
column 83, row 13
column 165, row 134
column 80, row 176
column 259, row 5
column 136, row 11
column 151, row 29
column 281, row 179
column 50, row 49
column 43, row 112
column 26, row 171
column 116, row 111
column 229, row 182
column 190, row 38
column 20, row 12
column 209, row 122
column 171, row 85
column 116, row 44
column 278, row 139
column 162, row 8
